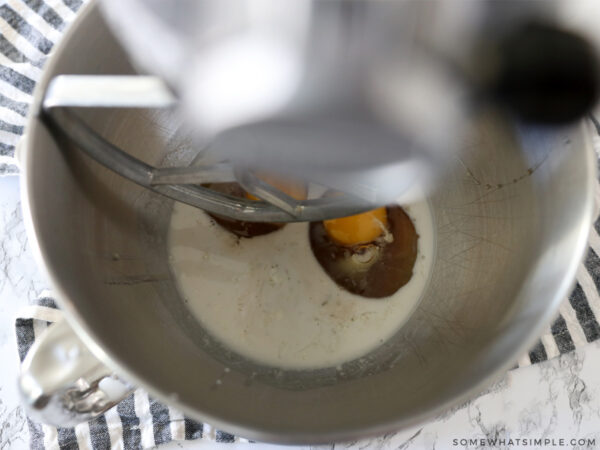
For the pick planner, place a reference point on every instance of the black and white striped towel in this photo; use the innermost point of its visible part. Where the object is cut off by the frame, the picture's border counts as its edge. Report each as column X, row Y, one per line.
column 138, row 422
column 28, row 31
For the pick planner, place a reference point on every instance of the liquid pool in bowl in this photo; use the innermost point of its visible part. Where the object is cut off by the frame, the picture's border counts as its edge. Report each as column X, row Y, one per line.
column 268, row 299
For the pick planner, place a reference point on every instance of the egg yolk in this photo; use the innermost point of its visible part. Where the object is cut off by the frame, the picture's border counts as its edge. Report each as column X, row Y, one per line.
column 295, row 189
column 358, row 229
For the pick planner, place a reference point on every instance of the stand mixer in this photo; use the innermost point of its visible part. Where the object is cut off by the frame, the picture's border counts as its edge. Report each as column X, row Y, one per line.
column 370, row 99
column 367, row 99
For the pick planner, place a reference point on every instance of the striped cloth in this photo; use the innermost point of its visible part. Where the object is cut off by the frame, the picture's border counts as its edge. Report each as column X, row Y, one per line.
column 28, row 31
column 138, row 422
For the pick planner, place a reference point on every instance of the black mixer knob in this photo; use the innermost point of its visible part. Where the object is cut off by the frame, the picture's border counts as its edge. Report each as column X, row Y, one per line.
column 547, row 75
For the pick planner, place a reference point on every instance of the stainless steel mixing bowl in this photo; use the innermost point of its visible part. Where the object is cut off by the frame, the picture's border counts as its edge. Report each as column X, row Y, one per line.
column 512, row 220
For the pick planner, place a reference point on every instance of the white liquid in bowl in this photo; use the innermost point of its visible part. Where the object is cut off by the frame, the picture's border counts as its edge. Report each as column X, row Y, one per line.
column 268, row 299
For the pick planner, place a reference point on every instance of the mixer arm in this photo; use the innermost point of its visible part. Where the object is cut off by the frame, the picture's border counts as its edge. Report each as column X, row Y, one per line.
column 181, row 183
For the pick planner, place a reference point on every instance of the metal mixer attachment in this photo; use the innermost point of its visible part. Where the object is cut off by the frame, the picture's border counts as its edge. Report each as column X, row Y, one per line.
column 184, row 184
column 369, row 99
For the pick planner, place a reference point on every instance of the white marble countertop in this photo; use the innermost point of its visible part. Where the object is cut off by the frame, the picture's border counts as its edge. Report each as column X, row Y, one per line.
column 552, row 401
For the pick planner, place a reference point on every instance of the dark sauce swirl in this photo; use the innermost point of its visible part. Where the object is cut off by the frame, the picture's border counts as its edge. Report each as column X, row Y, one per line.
column 374, row 270
column 239, row 227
